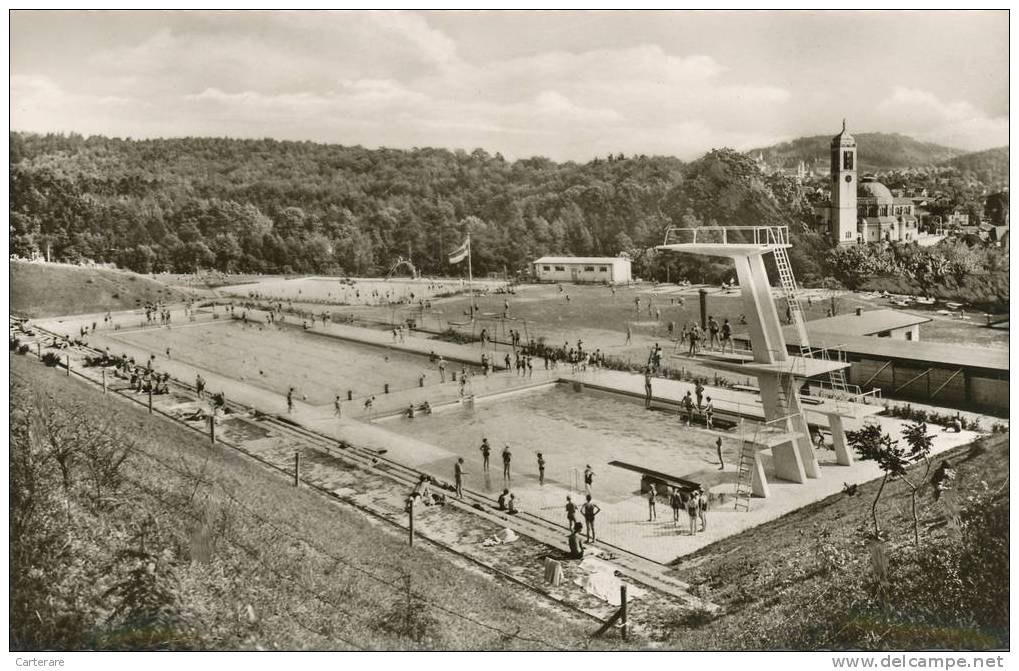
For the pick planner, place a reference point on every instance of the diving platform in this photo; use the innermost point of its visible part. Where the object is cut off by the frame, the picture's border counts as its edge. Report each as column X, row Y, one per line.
column 729, row 241
column 792, row 365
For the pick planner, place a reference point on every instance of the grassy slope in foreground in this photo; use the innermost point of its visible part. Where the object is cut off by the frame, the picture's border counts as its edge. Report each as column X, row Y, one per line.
column 46, row 290
column 234, row 579
column 768, row 578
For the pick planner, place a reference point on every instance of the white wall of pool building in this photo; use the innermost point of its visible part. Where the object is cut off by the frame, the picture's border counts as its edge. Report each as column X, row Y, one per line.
column 601, row 269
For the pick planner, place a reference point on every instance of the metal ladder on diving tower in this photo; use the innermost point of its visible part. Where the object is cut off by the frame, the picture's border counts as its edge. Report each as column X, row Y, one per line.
column 744, row 476
column 790, row 292
column 750, row 446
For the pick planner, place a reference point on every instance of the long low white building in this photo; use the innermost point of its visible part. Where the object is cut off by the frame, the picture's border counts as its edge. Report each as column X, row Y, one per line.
column 602, row 269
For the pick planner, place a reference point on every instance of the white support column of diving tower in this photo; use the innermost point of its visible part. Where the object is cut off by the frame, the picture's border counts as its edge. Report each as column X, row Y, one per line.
column 779, row 375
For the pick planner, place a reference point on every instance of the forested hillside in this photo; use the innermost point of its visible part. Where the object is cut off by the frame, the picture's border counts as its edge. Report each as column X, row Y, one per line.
column 878, row 151
column 989, row 167
column 277, row 207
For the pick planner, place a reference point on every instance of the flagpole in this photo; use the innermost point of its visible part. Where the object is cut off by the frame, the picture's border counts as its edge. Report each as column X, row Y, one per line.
column 470, row 276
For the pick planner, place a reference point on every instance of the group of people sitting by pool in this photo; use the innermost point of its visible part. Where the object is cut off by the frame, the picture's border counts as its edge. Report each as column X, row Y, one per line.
column 145, row 381
column 421, row 409
column 424, row 492
column 140, row 379
column 508, row 502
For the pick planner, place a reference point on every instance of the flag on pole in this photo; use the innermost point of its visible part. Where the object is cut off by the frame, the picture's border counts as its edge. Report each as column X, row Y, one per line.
column 461, row 252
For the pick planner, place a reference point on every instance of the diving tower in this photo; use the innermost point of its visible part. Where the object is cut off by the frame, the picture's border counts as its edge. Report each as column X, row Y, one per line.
column 780, row 376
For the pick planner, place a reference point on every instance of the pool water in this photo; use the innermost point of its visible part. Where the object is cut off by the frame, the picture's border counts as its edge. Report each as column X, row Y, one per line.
column 572, row 430
column 318, row 366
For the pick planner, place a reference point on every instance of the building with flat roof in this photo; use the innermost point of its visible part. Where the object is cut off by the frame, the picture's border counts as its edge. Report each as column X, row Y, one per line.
column 939, row 373
column 883, row 323
column 599, row 269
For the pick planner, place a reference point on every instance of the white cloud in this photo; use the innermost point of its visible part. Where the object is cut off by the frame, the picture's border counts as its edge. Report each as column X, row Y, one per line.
column 389, row 78
column 924, row 116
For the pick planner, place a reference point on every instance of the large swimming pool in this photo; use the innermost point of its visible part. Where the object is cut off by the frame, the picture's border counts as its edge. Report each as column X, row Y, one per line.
column 318, row 366
column 572, row 429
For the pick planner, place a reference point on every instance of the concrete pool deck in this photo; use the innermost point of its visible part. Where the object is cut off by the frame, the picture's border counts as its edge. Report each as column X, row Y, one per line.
column 622, row 523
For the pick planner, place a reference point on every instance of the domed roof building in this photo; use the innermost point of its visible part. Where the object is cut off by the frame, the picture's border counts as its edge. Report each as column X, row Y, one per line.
column 882, row 216
column 864, row 211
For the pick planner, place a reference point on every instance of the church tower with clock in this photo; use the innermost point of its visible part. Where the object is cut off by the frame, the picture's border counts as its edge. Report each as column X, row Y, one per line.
column 843, row 188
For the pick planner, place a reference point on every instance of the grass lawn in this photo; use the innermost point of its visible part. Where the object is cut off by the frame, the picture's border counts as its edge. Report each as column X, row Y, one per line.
column 317, row 574
column 46, row 290
column 601, row 317
column 765, row 577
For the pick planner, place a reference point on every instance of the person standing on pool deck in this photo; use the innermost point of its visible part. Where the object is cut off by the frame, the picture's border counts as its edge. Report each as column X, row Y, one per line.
column 709, row 411
column 589, row 510
column 541, row 469
column 693, row 505
column 699, row 390
column 571, row 513
column 687, row 407
column 336, row 407
column 676, row 501
column 712, row 332
column 506, row 457
column 652, row 514
column 458, row 477
column 486, row 450
column 290, row 401
column 702, row 509
column 718, row 448
column 588, row 480
column 727, row 337
column 442, row 369
column 647, row 387
column 629, row 335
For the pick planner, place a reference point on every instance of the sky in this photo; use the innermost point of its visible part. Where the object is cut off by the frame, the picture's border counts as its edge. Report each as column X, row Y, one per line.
column 569, row 85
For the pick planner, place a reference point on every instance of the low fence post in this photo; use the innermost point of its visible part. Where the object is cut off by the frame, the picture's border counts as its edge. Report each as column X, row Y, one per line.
column 622, row 609
column 297, row 469
column 212, row 429
column 104, row 380
column 410, row 518
column 68, row 363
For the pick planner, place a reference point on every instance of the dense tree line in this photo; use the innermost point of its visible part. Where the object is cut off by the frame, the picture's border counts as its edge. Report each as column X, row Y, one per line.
column 279, row 207
column 976, row 275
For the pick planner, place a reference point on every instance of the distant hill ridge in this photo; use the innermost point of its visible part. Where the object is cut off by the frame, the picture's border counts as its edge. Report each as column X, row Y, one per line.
column 877, row 151
column 989, row 166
